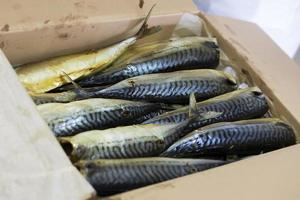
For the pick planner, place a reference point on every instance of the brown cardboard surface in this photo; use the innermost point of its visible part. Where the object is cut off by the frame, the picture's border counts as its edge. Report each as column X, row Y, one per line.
column 33, row 165
column 21, row 15
column 27, row 46
column 41, row 170
column 33, row 30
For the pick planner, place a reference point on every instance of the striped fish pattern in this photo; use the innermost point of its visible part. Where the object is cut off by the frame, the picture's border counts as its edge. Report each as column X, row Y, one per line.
column 67, row 119
column 123, row 142
column 243, row 138
column 118, row 175
column 173, row 87
column 149, row 116
column 238, row 105
column 178, row 54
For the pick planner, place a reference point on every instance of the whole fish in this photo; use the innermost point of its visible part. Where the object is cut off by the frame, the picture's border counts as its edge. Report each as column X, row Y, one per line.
column 242, row 138
column 44, row 76
column 122, row 142
column 142, row 140
column 71, row 118
column 176, row 54
column 118, row 175
column 172, row 87
column 237, row 105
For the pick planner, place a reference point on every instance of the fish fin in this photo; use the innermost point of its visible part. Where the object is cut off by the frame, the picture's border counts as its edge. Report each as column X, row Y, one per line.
column 194, row 114
column 231, row 80
column 71, row 80
column 152, row 30
column 144, row 30
column 77, row 87
column 170, row 106
column 230, row 70
column 209, row 115
column 192, row 106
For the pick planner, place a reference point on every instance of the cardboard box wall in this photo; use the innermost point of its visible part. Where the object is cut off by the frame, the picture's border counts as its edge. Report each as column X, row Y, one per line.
column 33, row 166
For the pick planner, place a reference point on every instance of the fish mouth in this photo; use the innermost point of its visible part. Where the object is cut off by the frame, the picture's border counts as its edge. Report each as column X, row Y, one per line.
column 68, row 147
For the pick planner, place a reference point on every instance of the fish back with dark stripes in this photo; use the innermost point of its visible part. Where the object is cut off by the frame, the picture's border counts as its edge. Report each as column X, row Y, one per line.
column 234, row 138
column 238, row 105
column 113, row 176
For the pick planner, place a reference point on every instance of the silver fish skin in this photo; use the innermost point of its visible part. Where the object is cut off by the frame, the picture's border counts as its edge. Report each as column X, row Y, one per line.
column 118, row 175
column 237, row 105
column 173, row 87
column 176, row 54
column 67, row 119
column 244, row 137
column 150, row 116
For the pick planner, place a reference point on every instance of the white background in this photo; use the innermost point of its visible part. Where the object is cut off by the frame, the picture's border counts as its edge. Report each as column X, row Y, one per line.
column 280, row 19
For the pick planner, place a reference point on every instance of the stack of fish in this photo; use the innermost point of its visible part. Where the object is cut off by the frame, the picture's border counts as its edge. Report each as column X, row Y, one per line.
column 126, row 122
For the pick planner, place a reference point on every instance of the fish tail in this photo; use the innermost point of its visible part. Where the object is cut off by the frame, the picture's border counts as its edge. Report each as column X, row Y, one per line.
column 144, row 30
column 81, row 93
column 231, row 80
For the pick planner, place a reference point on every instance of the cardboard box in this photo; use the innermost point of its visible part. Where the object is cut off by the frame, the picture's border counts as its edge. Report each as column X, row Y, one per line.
column 33, row 165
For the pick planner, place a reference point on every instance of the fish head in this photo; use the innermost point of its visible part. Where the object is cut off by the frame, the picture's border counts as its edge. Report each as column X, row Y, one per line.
column 181, row 147
column 256, row 93
column 73, row 150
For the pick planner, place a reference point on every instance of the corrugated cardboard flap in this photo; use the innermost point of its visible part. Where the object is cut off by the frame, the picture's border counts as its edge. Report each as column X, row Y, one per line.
column 32, row 162
column 71, row 25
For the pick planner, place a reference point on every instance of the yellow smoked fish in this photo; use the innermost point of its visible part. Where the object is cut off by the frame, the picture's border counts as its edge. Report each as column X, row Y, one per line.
column 44, row 76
